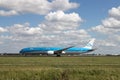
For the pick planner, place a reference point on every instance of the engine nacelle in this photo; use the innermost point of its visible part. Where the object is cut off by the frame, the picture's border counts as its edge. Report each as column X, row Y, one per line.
column 50, row 52
column 63, row 52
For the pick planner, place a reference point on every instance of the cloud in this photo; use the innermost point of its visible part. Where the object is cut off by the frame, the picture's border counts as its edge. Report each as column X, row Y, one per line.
column 2, row 30
column 41, row 7
column 61, row 21
column 115, row 12
column 63, row 5
column 62, row 17
column 8, row 13
column 53, row 22
column 53, row 28
column 111, row 24
column 27, row 6
column 23, row 30
column 106, row 42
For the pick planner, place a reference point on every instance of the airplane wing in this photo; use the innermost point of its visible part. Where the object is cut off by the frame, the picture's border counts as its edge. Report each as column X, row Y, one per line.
column 60, row 51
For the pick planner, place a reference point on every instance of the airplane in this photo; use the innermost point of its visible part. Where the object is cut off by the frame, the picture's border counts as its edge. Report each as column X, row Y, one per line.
column 58, row 50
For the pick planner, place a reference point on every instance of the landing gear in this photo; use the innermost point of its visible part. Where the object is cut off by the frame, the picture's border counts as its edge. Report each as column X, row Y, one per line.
column 25, row 54
column 58, row 55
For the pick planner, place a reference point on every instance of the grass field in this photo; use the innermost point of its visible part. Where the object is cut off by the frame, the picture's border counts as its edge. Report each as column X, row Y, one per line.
column 60, row 68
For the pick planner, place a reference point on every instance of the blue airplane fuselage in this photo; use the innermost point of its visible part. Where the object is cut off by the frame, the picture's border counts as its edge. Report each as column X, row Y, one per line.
column 46, row 49
column 58, row 50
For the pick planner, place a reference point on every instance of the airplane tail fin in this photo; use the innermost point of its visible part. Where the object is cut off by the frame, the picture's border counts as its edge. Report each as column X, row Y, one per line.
column 90, row 44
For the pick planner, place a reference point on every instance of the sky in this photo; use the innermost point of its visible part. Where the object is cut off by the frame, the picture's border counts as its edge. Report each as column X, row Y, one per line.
column 37, row 23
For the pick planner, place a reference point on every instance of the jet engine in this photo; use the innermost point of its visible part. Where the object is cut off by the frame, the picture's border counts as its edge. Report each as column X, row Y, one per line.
column 63, row 52
column 50, row 52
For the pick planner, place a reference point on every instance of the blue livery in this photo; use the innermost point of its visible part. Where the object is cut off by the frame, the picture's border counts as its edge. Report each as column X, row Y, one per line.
column 58, row 50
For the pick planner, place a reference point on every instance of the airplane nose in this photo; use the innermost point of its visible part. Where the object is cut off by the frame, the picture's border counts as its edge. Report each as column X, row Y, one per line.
column 21, row 51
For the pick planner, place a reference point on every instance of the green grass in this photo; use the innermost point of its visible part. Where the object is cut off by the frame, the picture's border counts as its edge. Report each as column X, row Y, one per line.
column 60, row 68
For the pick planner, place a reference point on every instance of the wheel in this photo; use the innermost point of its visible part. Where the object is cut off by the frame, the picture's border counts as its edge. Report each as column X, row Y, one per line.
column 58, row 55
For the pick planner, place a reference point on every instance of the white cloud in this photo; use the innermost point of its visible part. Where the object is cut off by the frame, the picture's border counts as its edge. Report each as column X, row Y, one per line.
column 24, row 30
column 115, row 12
column 41, row 7
column 63, row 5
column 111, row 27
column 100, row 28
column 110, row 24
column 107, row 43
column 61, row 16
column 8, row 13
column 61, row 21
column 52, row 25
column 27, row 6
column 2, row 30
column 52, row 29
